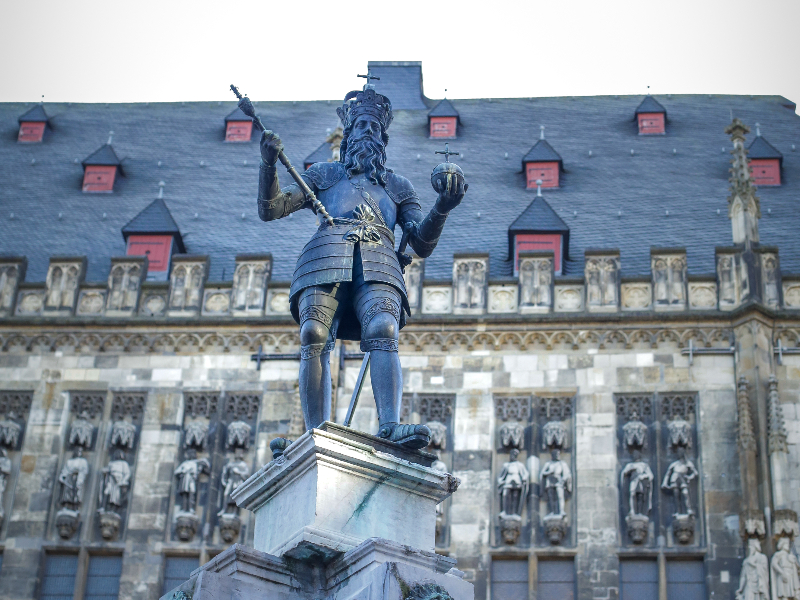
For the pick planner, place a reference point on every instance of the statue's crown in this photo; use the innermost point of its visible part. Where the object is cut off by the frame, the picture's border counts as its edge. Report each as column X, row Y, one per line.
column 365, row 102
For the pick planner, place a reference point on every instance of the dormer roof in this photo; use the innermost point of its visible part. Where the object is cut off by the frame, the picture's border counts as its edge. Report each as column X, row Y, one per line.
column 761, row 148
column 237, row 115
column 104, row 155
column 155, row 219
column 650, row 106
column 542, row 151
column 321, row 154
column 34, row 115
column 444, row 109
column 539, row 216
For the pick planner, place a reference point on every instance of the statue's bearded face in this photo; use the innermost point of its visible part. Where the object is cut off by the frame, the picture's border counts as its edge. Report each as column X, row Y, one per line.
column 365, row 149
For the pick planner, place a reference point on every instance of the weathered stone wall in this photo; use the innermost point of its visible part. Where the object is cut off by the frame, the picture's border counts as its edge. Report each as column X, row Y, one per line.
column 474, row 368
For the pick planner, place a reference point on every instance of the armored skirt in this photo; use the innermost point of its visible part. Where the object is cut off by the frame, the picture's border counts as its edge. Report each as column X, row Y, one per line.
column 328, row 258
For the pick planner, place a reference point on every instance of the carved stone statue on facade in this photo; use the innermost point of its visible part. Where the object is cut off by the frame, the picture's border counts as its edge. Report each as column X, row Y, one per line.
column 348, row 283
column 238, row 435
column 5, row 473
column 438, row 435
column 10, row 430
column 123, row 434
column 785, row 571
column 512, row 484
column 81, row 431
column 754, row 577
column 677, row 480
column 234, row 473
column 556, row 477
column 640, row 497
column 73, row 480
column 511, row 434
column 188, row 473
column 116, row 478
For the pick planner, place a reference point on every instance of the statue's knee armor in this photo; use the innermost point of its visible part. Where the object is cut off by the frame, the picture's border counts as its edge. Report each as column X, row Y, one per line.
column 318, row 307
column 380, row 325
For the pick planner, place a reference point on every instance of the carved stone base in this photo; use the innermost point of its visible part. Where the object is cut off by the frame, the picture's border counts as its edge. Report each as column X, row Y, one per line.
column 67, row 522
column 751, row 524
column 109, row 524
column 186, row 524
column 510, row 527
column 683, row 528
column 229, row 527
column 638, row 527
column 555, row 528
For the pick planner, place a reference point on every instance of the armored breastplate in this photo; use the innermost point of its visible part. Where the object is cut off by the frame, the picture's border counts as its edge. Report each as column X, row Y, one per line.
column 356, row 198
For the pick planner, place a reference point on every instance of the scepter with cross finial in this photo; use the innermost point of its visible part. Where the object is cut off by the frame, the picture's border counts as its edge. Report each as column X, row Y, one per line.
column 247, row 108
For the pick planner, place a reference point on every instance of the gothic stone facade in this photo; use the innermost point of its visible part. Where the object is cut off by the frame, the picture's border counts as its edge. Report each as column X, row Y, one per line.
column 568, row 380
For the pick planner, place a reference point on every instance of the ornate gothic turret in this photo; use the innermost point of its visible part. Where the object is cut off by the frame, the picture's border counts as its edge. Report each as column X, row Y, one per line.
column 744, row 207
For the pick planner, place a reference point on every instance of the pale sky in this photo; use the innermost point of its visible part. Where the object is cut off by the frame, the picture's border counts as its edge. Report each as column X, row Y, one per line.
column 114, row 51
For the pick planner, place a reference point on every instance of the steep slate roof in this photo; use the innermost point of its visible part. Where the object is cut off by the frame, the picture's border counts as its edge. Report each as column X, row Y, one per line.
column 237, row 115
column 650, row 105
column 761, row 148
column 443, row 109
column 34, row 115
column 541, row 152
column 104, row 155
column 692, row 184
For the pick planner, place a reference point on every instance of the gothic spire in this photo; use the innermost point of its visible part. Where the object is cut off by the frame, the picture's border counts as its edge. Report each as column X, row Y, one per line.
column 744, row 207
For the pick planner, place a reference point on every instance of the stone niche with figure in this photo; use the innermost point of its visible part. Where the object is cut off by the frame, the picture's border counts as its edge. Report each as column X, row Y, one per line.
column 668, row 270
column 115, row 477
column 601, row 272
column 12, row 272
column 437, row 411
column 14, row 414
column 186, row 284
column 64, row 277
column 512, row 470
column 413, row 276
column 536, row 278
column 124, row 285
column 215, row 457
column 637, row 441
column 72, row 498
column 470, row 283
column 250, row 282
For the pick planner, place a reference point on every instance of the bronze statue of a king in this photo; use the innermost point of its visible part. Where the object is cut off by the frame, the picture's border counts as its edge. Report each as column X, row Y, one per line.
column 348, row 281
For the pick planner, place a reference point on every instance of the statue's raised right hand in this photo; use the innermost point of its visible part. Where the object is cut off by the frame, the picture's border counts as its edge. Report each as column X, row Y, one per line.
column 271, row 146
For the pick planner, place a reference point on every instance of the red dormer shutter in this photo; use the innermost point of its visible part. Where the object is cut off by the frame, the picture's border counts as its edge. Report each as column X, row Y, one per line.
column 157, row 249
column 443, row 127
column 99, row 178
column 538, row 241
column 548, row 172
column 238, row 131
column 31, row 132
column 651, row 123
column 766, row 171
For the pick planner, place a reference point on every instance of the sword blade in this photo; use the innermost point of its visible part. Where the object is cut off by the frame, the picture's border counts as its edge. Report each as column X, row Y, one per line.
column 362, row 374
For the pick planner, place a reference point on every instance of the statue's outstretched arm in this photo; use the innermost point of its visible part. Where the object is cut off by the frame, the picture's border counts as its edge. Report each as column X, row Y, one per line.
column 273, row 202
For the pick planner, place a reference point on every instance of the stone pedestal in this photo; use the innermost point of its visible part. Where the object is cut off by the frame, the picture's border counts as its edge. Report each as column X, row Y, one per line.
column 340, row 515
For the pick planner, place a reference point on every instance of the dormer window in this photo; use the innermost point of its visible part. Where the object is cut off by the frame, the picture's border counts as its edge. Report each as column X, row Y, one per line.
column 238, row 127
column 651, row 116
column 538, row 229
column 32, row 125
column 543, row 164
column 765, row 161
column 153, row 233
column 100, row 169
column 443, row 121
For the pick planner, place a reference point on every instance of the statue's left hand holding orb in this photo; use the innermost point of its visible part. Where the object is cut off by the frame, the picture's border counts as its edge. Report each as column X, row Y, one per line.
column 271, row 146
column 451, row 188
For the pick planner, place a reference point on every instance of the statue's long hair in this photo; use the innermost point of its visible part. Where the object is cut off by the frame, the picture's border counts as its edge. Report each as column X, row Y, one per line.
column 367, row 155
